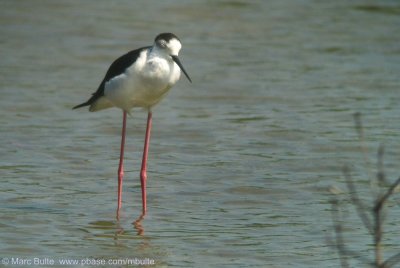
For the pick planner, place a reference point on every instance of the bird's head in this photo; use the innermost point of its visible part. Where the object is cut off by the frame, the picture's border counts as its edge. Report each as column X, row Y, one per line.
column 171, row 44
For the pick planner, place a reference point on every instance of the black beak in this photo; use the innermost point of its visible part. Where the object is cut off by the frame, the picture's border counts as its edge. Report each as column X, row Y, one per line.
column 177, row 61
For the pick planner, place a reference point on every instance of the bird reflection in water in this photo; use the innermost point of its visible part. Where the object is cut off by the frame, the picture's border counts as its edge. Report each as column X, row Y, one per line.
column 137, row 224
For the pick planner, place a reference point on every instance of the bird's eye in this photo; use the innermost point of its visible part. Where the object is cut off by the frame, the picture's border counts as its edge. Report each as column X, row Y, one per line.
column 162, row 44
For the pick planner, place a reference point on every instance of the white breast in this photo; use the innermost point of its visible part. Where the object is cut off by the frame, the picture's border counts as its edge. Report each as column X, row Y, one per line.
column 143, row 84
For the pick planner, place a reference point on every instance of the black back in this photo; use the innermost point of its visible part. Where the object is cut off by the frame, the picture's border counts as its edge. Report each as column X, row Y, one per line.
column 116, row 68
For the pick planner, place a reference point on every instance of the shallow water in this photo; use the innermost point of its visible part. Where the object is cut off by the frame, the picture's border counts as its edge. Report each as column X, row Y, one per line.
column 240, row 161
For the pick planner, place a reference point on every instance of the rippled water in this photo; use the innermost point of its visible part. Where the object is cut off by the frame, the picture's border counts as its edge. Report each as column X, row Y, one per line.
column 240, row 160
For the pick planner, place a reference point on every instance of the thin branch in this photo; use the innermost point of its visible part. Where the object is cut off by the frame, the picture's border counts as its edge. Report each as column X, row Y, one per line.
column 378, row 209
column 358, row 125
column 360, row 131
column 388, row 193
column 339, row 242
column 374, row 222
column 381, row 177
column 378, row 233
column 391, row 261
column 360, row 208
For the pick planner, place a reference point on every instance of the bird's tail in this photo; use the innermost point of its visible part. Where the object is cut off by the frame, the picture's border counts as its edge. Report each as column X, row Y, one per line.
column 90, row 101
column 96, row 104
column 82, row 105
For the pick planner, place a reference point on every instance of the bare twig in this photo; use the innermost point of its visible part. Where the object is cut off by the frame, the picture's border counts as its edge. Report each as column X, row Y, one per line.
column 392, row 261
column 381, row 174
column 360, row 208
column 358, row 125
column 378, row 233
column 360, row 131
column 374, row 225
column 339, row 243
column 388, row 193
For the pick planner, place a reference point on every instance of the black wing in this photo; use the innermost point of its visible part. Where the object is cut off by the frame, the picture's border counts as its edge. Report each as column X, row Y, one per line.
column 116, row 68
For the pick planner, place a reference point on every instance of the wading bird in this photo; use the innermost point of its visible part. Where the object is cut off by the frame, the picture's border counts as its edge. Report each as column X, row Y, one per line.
column 140, row 78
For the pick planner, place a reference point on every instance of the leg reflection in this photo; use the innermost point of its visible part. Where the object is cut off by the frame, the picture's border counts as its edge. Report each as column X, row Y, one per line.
column 138, row 225
column 119, row 230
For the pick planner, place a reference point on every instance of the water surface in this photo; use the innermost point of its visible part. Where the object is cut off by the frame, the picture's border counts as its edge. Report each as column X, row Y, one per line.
column 240, row 160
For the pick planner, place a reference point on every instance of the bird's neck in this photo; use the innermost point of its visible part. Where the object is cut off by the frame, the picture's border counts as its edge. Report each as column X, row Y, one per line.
column 157, row 53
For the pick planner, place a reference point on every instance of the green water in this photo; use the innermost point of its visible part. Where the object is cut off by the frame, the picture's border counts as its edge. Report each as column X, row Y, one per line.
column 240, row 161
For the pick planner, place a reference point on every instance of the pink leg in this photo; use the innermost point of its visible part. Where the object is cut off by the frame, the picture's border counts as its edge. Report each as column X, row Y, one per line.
column 143, row 171
column 121, row 164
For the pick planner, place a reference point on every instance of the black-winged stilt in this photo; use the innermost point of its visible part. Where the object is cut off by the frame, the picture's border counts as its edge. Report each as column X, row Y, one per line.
column 140, row 78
